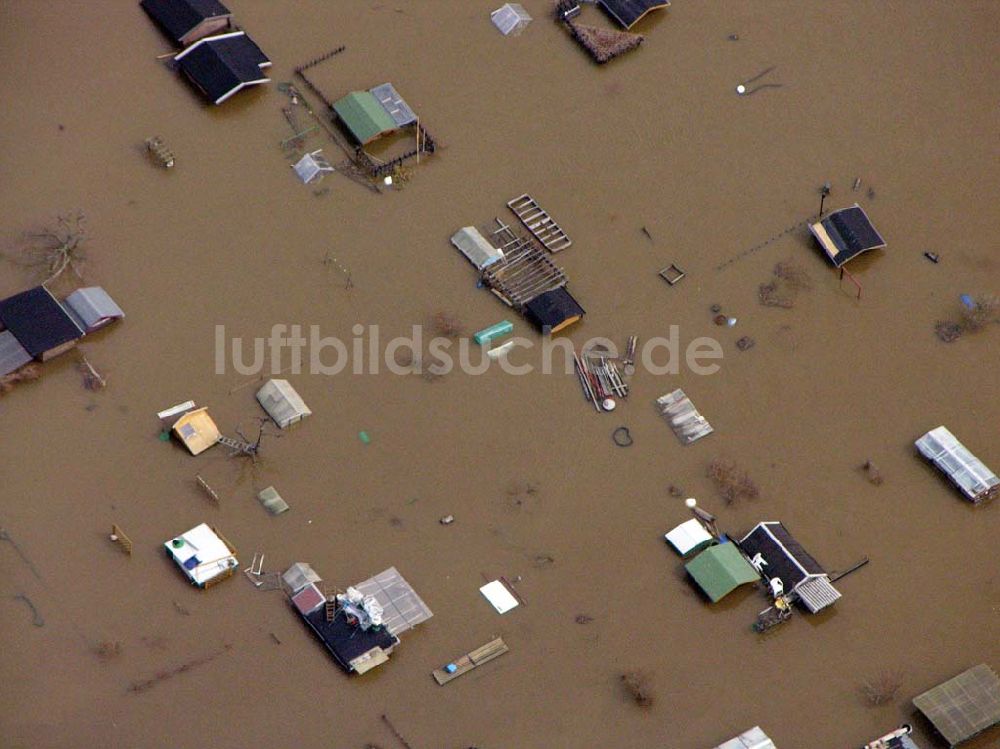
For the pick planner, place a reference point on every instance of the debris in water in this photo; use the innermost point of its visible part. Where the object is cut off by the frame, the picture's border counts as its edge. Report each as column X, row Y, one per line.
column 447, row 520
column 873, row 473
column 932, row 256
column 948, row 330
column 745, row 343
column 36, row 618
column 583, row 619
column 636, row 684
column 622, row 437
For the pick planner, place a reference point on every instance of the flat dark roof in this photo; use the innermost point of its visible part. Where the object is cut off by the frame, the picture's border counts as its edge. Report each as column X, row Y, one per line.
column 345, row 642
column 38, row 321
column 178, row 17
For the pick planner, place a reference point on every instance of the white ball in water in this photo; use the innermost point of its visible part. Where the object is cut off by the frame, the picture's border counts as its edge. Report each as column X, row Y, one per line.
column 691, row 502
column 741, row 89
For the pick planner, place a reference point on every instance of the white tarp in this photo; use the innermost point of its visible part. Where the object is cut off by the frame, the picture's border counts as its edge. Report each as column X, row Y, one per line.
column 471, row 243
column 498, row 595
column 752, row 739
column 688, row 536
column 510, row 18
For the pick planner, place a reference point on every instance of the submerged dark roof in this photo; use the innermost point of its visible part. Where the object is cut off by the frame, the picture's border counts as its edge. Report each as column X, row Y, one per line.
column 627, row 12
column 552, row 309
column 346, row 642
column 849, row 232
column 178, row 17
column 38, row 321
column 222, row 65
column 784, row 555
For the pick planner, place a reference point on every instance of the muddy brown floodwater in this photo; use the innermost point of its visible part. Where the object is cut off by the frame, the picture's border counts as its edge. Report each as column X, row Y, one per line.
column 902, row 94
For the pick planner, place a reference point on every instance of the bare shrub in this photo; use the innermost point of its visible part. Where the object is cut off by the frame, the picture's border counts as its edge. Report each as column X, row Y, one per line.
column 947, row 330
column 58, row 247
column 107, row 650
column 793, row 275
column 448, row 324
column 28, row 373
column 984, row 310
column 787, row 279
column 636, row 684
column 881, row 688
column 732, row 482
column 873, row 473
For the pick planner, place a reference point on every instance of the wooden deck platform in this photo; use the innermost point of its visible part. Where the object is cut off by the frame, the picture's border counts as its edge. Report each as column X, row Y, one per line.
column 524, row 273
column 493, row 649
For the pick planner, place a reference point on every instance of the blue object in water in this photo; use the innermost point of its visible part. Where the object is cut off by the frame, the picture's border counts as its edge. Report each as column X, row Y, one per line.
column 967, row 301
column 451, row 668
column 363, row 436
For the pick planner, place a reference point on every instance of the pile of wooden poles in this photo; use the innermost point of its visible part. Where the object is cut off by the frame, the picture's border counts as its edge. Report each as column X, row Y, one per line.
column 600, row 379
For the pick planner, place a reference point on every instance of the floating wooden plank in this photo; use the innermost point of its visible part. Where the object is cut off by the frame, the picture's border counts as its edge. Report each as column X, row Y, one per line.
column 484, row 654
column 672, row 274
column 683, row 417
column 539, row 223
column 119, row 538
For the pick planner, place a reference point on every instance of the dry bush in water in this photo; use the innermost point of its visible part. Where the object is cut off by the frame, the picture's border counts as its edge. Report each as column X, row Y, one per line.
column 881, row 688
column 984, row 310
column 732, row 482
column 636, row 684
column 873, row 473
column 107, row 650
column 27, row 373
column 788, row 278
column 56, row 248
column 448, row 324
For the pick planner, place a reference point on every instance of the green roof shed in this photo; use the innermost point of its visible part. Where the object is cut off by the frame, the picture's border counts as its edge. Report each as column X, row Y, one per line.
column 364, row 116
column 720, row 569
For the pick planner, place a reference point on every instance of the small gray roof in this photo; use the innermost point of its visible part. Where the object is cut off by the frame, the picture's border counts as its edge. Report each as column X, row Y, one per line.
column 298, row 576
column 12, row 354
column 393, row 103
column 282, row 403
column 471, row 243
column 92, row 307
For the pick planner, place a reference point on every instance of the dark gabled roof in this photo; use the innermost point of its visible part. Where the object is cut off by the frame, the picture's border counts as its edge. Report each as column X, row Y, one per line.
column 222, row 65
column 38, row 321
column 628, row 12
column 552, row 309
column 846, row 233
column 178, row 17
column 784, row 555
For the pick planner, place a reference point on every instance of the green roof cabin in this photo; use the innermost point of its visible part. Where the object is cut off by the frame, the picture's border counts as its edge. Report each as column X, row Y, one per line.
column 364, row 116
column 721, row 569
